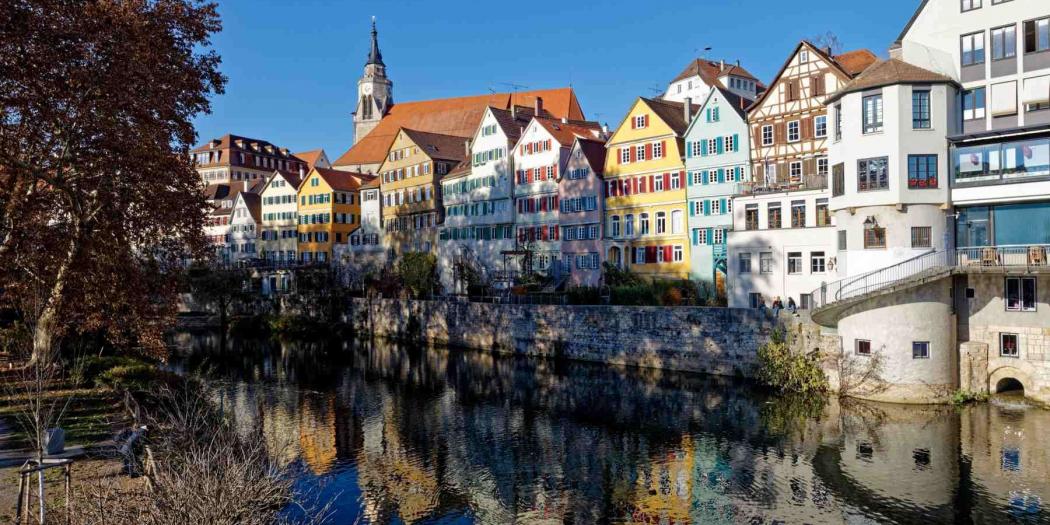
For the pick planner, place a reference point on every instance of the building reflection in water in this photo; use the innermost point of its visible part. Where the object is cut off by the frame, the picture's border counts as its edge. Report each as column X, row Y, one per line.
column 422, row 435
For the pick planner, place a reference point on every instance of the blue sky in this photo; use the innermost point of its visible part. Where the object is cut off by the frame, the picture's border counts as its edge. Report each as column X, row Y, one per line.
column 293, row 66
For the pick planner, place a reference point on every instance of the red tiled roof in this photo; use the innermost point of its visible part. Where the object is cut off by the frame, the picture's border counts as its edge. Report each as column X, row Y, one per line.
column 672, row 113
column 594, row 150
column 888, row 73
column 463, row 169
column 342, row 180
column 311, row 157
column 438, row 146
column 710, row 71
column 856, row 61
column 451, row 116
column 567, row 132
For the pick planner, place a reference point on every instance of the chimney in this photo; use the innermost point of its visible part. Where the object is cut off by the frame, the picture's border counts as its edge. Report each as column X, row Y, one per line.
column 539, row 106
column 722, row 65
column 605, row 130
column 301, row 174
column 687, row 109
column 565, row 120
column 827, row 50
column 738, row 62
column 466, row 147
column 513, row 111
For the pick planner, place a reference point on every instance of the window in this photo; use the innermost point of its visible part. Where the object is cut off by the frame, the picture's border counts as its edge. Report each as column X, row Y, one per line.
column 628, row 225
column 922, row 172
column 970, row 5
column 842, row 240
column 863, row 347
column 751, row 217
column 920, row 109
column 615, row 226
column 798, row 214
column 838, row 121
column 700, row 234
column 658, row 150
column 765, row 262
column 1004, row 42
column 973, row 104
column 838, row 180
column 773, row 215
column 795, row 171
column 1008, row 345
column 730, row 142
column 639, row 256
column 823, row 215
column 643, row 224
column 1037, row 35
column 1020, row 294
column 676, row 182
column 803, row 56
column 920, row 350
column 640, row 121
column 820, row 126
column 874, row 237
column 767, row 135
column 640, row 152
column 744, row 262
column 921, row 237
column 873, row 174
column 973, row 49
column 794, row 263
column 661, row 222
column 676, row 222
column 794, row 134
column 872, row 106
column 679, row 254
column 822, row 166
column 817, row 262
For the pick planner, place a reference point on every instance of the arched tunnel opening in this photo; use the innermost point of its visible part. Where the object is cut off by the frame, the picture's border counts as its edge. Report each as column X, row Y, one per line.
column 1009, row 384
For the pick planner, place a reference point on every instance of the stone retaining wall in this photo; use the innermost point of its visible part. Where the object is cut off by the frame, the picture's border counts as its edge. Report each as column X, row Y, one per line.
column 721, row 341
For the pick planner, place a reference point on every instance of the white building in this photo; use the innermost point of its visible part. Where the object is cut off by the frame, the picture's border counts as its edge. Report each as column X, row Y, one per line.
column 700, row 76
column 278, row 236
column 889, row 154
column 478, row 200
column 782, row 245
column 365, row 250
column 244, row 226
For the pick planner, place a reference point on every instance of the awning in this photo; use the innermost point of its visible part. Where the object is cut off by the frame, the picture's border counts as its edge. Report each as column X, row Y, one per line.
column 1004, row 98
column 1037, row 90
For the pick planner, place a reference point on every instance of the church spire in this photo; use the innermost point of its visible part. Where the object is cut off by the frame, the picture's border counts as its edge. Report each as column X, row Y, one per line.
column 374, row 56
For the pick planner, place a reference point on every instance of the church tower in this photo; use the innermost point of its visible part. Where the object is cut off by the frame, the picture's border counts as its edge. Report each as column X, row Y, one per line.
column 375, row 92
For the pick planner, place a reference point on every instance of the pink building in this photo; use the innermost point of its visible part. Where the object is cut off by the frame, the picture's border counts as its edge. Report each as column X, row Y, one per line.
column 581, row 194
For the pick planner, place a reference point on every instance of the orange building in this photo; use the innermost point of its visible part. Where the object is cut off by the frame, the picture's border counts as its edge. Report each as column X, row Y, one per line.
column 329, row 210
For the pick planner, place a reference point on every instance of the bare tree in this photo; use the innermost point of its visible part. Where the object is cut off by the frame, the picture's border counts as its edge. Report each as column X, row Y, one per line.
column 827, row 41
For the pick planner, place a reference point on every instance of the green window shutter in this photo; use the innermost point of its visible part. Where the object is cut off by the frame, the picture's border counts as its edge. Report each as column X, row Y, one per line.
column 710, row 236
column 688, row 150
column 703, row 177
column 721, row 175
column 720, row 145
column 707, row 207
column 689, row 178
column 722, row 206
column 696, row 236
column 703, row 147
column 736, row 142
column 691, row 210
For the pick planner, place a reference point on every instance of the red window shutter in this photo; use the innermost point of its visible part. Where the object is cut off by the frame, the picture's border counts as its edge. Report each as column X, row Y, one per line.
column 555, row 205
column 555, row 230
column 649, row 151
column 646, row 118
column 619, row 155
column 634, row 185
column 634, row 154
column 548, row 144
column 652, row 183
column 663, row 148
column 555, row 171
column 668, row 253
column 521, row 149
column 650, row 254
column 667, row 181
column 632, row 123
column 681, row 179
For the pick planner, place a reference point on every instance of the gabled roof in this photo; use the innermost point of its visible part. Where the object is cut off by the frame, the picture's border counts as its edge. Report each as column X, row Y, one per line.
column 594, row 152
column 230, row 141
column 341, row 180
column 451, row 116
column 710, row 71
column 293, row 178
column 513, row 123
column 253, row 202
column 225, row 190
column 672, row 113
column 461, row 170
column 735, row 102
column 311, row 157
column 848, row 64
column 372, row 184
column 567, row 132
column 911, row 21
column 888, row 73
column 437, row 146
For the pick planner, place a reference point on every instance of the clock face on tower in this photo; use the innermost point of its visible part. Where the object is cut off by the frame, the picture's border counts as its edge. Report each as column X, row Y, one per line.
column 367, row 89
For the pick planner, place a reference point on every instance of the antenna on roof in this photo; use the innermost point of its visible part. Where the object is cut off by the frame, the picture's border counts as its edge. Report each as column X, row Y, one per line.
column 705, row 51
column 656, row 89
column 513, row 86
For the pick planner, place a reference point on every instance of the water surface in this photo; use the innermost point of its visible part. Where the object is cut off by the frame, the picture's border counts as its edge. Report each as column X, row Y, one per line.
column 402, row 434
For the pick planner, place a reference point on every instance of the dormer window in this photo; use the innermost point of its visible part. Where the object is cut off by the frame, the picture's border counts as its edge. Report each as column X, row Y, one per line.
column 641, row 121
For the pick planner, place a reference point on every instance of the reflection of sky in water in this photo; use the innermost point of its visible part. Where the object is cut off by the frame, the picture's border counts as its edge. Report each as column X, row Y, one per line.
column 395, row 435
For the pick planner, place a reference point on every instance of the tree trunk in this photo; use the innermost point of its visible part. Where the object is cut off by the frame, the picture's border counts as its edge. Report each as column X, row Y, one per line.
column 47, row 321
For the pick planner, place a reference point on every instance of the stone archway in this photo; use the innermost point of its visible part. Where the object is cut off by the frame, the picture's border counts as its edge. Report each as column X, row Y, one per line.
column 615, row 256
column 1008, row 379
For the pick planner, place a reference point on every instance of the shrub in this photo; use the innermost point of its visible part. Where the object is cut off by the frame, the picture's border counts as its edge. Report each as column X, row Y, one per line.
column 787, row 371
column 583, row 295
column 966, row 397
column 135, row 378
column 89, row 370
column 418, row 273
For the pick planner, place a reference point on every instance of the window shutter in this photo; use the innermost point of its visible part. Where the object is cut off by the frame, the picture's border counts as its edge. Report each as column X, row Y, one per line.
column 707, row 207
column 619, row 156
column 703, row 147
column 736, row 142
column 668, row 253
column 633, row 121
column 710, row 236
column 689, row 180
column 692, row 212
column 696, row 236
column 652, row 183
column 663, row 147
column 649, row 151
column 720, row 145
column 555, row 171
column 806, row 124
column 722, row 206
column 703, row 177
column 667, row 181
column 779, row 132
column 634, row 185
column 645, row 119
column 688, row 150
column 634, row 153
column 681, row 179
column 721, row 175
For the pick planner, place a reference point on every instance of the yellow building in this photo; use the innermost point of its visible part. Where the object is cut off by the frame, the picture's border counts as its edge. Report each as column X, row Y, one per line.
column 329, row 209
column 645, row 190
column 410, row 187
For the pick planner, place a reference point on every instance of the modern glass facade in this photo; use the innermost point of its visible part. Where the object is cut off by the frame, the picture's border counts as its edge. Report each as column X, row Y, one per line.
column 1023, row 224
column 1001, row 161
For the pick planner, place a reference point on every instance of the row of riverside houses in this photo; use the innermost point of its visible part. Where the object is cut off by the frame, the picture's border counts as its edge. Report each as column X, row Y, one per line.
column 844, row 164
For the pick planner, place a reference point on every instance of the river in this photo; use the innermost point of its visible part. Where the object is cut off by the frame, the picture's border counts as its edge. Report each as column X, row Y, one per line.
column 402, row 434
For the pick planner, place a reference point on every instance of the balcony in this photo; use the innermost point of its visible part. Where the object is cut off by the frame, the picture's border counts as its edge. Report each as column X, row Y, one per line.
column 785, row 184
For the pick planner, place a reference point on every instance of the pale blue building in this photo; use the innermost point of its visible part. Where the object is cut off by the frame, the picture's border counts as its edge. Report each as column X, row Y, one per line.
column 717, row 163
